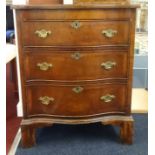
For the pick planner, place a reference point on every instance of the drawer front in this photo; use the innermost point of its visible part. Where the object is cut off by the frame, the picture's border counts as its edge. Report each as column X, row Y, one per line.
column 76, row 100
column 75, row 65
column 67, row 33
column 69, row 14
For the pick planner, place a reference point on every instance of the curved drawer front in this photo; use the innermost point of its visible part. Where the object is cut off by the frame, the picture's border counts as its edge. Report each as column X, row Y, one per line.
column 91, row 33
column 75, row 65
column 73, row 101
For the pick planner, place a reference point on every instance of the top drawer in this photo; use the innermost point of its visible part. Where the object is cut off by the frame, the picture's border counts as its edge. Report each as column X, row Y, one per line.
column 76, row 33
column 77, row 13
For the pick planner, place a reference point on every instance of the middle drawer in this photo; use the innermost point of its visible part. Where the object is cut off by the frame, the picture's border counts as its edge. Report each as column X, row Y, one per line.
column 68, row 66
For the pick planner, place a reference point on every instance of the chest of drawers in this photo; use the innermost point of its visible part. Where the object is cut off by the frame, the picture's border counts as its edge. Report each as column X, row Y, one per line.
column 75, row 66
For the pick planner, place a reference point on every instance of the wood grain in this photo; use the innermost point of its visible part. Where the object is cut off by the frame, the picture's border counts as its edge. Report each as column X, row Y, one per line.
column 126, row 132
column 69, row 103
column 29, row 125
column 69, row 107
column 28, row 136
column 67, row 68
column 89, row 33
column 79, row 14
column 19, row 6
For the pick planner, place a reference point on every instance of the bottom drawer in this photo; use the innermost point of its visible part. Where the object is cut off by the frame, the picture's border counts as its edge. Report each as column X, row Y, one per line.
column 76, row 101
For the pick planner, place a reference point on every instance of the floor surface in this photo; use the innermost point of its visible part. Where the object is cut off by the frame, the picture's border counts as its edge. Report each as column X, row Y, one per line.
column 139, row 101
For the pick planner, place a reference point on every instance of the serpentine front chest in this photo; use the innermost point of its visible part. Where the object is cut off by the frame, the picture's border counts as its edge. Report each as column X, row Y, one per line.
column 75, row 65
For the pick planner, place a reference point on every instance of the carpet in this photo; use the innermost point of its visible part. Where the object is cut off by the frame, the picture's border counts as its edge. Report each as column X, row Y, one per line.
column 92, row 139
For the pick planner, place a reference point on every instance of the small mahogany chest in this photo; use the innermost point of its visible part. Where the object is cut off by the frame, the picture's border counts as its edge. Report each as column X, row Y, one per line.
column 75, row 65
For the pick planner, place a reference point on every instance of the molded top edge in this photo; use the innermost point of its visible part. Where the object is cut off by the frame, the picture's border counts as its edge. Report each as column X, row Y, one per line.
column 75, row 6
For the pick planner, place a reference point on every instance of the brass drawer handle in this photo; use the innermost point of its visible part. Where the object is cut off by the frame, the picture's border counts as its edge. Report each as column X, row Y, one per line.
column 76, row 24
column 78, row 89
column 108, row 65
column 76, row 56
column 44, row 66
column 42, row 33
column 46, row 100
column 109, row 33
column 107, row 98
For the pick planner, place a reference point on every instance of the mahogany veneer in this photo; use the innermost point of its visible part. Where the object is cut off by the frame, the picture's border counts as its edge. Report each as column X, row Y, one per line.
column 89, row 33
column 80, row 68
column 76, row 65
column 68, row 103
